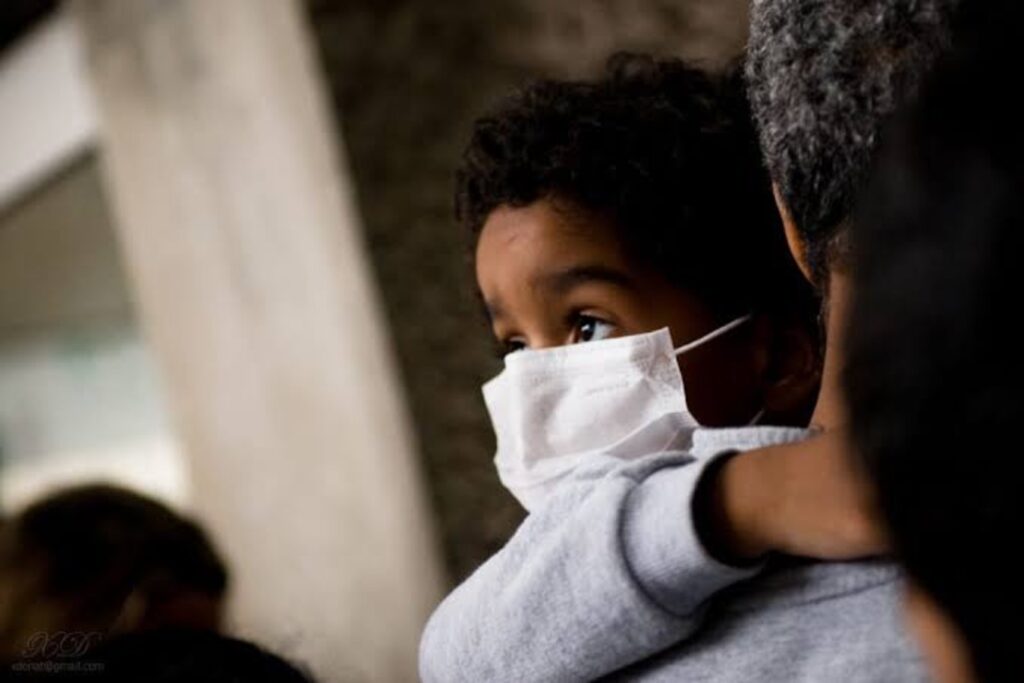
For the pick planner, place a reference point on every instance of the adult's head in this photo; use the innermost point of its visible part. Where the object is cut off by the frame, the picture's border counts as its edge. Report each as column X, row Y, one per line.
column 824, row 77
column 99, row 560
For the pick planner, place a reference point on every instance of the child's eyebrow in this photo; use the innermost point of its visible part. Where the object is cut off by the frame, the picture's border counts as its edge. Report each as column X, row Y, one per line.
column 562, row 281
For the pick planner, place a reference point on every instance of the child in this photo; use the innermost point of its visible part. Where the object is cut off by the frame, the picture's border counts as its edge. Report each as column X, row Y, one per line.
column 604, row 211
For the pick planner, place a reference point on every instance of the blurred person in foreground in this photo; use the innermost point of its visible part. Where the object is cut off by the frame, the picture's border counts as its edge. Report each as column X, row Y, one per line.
column 166, row 655
column 935, row 373
column 95, row 561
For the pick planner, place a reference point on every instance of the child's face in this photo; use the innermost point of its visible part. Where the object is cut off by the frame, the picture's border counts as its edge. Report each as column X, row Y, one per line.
column 551, row 276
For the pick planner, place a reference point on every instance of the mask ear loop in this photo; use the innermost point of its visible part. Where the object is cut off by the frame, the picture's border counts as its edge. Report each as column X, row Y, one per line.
column 714, row 334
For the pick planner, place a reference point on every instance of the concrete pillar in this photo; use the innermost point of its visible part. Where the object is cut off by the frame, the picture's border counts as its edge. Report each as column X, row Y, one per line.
column 244, row 249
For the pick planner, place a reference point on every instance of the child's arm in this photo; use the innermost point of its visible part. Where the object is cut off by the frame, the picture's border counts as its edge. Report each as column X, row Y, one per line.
column 607, row 572
column 613, row 569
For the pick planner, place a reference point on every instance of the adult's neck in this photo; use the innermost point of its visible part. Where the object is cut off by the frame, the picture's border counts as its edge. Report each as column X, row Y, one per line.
column 829, row 411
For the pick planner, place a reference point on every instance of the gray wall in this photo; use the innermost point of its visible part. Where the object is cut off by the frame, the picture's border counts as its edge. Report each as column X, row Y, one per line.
column 407, row 79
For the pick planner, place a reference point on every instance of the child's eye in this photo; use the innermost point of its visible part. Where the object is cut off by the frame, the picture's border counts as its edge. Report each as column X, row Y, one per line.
column 589, row 329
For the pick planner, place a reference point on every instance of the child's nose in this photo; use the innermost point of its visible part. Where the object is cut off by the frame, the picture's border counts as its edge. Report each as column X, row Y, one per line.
column 548, row 340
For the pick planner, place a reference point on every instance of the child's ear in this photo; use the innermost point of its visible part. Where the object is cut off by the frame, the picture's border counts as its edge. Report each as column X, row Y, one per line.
column 792, row 372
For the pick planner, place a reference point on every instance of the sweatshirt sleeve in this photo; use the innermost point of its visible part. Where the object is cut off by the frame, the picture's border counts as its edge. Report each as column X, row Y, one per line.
column 608, row 572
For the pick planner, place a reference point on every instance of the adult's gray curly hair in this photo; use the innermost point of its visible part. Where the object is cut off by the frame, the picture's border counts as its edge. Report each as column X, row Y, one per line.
column 824, row 76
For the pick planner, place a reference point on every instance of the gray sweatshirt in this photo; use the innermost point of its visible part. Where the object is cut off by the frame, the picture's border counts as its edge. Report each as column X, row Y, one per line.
column 609, row 579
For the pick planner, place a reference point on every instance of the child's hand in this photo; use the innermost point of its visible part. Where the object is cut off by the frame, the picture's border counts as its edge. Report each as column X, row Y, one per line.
column 804, row 499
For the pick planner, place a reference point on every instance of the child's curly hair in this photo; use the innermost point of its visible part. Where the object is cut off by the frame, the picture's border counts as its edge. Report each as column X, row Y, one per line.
column 668, row 153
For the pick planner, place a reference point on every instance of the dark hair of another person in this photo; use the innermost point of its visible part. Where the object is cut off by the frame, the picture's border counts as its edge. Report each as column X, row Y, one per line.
column 189, row 656
column 82, row 559
column 824, row 77
column 935, row 374
column 667, row 154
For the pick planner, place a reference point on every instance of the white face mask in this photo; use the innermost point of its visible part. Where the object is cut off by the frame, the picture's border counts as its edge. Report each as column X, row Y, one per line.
column 553, row 408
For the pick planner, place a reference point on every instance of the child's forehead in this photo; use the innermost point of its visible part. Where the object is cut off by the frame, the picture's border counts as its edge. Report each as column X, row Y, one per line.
column 548, row 229
column 537, row 249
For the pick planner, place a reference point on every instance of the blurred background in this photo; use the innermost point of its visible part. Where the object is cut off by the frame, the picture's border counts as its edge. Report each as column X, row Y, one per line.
column 230, row 279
